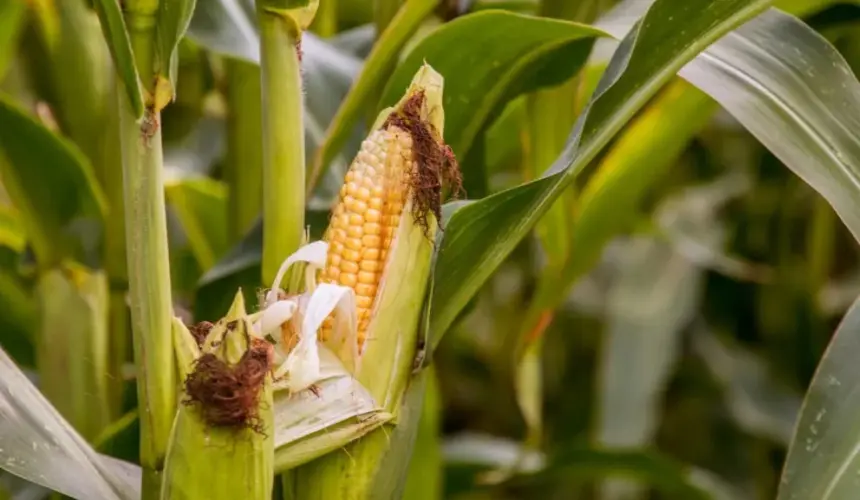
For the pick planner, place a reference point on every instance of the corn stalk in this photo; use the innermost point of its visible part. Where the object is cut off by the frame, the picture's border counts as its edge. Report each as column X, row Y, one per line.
column 244, row 162
column 281, row 25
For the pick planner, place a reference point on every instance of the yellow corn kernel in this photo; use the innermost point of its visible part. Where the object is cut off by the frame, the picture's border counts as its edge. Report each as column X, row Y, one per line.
column 366, row 217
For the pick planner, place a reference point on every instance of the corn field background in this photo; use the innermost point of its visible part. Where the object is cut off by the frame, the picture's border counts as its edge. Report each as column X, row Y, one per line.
column 646, row 287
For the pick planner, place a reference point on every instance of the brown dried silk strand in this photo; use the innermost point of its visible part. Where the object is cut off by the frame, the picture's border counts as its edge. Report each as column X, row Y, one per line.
column 437, row 165
column 228, row 395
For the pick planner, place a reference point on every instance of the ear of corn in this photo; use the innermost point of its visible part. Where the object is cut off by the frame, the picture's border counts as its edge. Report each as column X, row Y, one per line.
column 219, row 461
column 380, row 243
column 366, row 218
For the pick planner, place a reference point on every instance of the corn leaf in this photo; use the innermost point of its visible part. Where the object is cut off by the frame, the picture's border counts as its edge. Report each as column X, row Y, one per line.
column 48, row 179
column 822, row 459
column 424, row 480
column 481, row 75
column 376, row 67
column 173, row 19
column 113, row 27
column 41, row 447
column 646, row 150
column 201, row 206
column 481, row 234
column 795, row 93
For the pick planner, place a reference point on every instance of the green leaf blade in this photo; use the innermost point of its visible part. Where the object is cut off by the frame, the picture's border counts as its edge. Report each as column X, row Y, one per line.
column 478, row 80
column 119, row 43
column 49, row 179
column 670, row 35
column 823, row 458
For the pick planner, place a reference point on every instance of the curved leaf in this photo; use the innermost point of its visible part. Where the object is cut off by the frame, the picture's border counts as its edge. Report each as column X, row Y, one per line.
column 824, row 454
column 481, row 234
column 796, row 94
column 173, row 19
column 481, row 74
column 49, row 180
column 113, row 27
column 38, row 445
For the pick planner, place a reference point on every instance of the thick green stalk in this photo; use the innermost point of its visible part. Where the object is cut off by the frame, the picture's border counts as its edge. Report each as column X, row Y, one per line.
column 149, row 287
column 283, row 140
column 147, row 256
column 244, row 166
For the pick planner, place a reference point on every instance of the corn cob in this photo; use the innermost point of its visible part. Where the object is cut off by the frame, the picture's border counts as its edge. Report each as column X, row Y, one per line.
column 402, row 166
column 366, row 217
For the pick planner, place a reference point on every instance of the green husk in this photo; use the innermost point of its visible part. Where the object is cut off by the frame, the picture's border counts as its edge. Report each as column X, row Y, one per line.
column 73, row 345
column 209, row 460
column 374, row 466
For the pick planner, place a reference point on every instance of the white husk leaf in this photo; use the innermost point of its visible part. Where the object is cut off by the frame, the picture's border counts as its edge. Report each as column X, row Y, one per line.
column 314, row 254
column 301, row 369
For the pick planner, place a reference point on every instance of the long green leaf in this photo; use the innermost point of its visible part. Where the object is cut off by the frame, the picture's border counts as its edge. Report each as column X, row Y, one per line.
column 113, row 26
column 481, row 74
column 824, row 455
column 481, row 234
column 796, row 94
column 646, row 150
column 38, row 445
column 49, row 180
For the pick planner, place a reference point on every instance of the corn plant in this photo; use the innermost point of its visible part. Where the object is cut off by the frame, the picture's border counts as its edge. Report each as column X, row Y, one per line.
column 422, row 249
